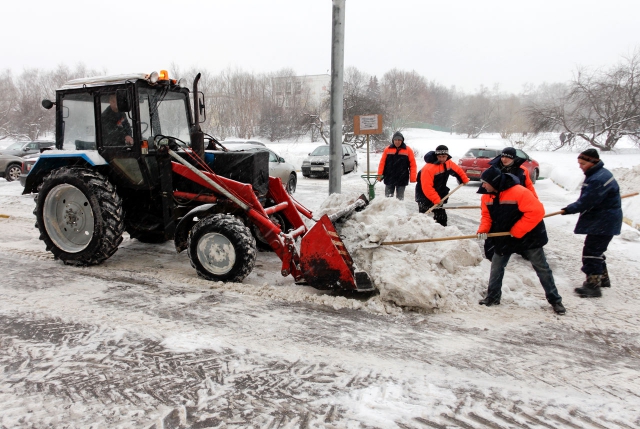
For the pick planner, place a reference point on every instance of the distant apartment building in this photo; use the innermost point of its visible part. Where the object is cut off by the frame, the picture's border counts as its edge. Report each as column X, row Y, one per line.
column 312, row 89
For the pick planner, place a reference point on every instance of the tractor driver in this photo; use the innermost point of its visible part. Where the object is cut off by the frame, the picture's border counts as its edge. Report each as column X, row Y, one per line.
column 116, row 129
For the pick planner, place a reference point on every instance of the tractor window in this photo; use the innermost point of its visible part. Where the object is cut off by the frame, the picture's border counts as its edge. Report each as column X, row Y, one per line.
column 172, row 114
column 130, row 168
column 79, row 122
column 116, row 126
column 145, row 117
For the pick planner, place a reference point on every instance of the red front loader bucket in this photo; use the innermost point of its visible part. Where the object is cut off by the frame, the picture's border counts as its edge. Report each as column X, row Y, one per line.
column 326, row 263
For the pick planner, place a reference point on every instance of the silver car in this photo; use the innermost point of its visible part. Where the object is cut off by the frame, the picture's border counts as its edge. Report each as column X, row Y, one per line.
column 10, row 167
column 27, row 148
column 278, row 167
column 317, row 163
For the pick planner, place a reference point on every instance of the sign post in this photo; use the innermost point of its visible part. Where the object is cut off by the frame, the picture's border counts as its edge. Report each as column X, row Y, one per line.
column 368, row 124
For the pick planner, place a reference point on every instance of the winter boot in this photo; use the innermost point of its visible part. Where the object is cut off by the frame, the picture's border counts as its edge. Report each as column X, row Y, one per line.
column 591, row 287
column 559, row 308
column 489, row 302
column 605, row 282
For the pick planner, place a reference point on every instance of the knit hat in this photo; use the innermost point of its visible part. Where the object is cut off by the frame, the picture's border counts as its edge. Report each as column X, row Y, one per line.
column 492, row 176
column 442, row 150
column 508, row 152
column 590, row 155
column 399, row 135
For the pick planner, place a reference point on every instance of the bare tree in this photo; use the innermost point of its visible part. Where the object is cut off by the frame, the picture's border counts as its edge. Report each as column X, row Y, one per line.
column 7, row 97
column 510, row 117
column 598, row 107
column 406, row 98
column 444, row 102
column 475, row 114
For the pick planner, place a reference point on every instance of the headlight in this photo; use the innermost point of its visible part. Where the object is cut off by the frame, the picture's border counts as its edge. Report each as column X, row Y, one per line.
column 306, row 162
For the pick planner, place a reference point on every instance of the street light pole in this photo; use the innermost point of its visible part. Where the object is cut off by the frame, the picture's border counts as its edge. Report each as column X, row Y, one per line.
column 337, row 95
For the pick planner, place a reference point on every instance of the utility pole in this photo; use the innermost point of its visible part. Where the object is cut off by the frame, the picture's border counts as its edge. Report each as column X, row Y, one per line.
column 337, row 95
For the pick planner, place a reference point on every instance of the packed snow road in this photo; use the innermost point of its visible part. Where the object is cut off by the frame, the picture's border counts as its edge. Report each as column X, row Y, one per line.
column 141, row 341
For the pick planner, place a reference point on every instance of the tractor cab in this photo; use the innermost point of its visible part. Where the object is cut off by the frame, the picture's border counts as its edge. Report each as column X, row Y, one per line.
column 123, row 118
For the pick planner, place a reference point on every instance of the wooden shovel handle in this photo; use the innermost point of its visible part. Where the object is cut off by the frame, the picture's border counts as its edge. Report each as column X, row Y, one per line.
column 456, row 237
column 633, row 194
column 444, row 198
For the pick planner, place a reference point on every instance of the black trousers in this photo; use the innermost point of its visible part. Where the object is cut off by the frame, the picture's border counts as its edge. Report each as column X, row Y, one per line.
column 593, row 259
column 439, row 215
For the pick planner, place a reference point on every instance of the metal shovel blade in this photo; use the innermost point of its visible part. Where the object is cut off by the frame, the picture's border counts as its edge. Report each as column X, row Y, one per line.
column 325, row 261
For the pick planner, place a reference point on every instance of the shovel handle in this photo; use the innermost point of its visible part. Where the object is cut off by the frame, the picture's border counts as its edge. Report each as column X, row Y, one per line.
column 633, row 194
column 456, row 237
column 445, row 198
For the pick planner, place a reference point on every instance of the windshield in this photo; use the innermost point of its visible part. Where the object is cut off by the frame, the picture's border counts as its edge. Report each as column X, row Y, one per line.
column 482, row 153
column 320, row 150
column 167, row 112
column 173, row 118
column 15, row 146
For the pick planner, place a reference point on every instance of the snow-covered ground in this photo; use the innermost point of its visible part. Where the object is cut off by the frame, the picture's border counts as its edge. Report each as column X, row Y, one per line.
column 140, row 339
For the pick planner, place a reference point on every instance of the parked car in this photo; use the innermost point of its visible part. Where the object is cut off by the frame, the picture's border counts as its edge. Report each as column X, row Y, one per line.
column 278, row 167
column 245, row 141
column 317, row 163
column 476, row 160
column 27, row 164
column 10, row 167
column 27, row 148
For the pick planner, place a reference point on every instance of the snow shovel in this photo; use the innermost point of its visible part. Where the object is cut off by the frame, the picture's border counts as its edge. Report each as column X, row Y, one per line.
column 428, row 240
column 547, row 215
column 439, row 205
column 621, row 196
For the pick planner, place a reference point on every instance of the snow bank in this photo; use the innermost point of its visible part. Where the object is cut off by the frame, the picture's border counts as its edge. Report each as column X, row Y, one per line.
column 629, row 181
column 432, row 276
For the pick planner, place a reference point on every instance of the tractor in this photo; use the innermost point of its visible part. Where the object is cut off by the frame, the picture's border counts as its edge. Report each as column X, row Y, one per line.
column 131, row 156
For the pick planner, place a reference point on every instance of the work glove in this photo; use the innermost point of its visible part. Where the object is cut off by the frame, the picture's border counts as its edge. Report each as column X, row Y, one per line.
column 482, row 236
column 564, row 211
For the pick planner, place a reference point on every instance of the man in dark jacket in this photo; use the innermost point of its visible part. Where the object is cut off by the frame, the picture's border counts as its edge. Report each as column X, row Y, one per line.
column 509, row 162
column 509, row 207
column 600, row 219
column 398, row 166
column 432, row 182
column 116, row 130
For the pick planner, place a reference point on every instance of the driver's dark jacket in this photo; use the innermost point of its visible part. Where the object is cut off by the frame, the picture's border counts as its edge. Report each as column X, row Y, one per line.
column 516, row 210
column 115, row 127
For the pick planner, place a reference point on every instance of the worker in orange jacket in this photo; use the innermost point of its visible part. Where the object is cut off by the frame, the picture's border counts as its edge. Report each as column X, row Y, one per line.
column 432, row 182
column 509, row 162
column 509, row 207
column 397, row 166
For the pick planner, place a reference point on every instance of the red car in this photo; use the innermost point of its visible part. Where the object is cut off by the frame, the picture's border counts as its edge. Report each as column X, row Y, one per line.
column 476, row 160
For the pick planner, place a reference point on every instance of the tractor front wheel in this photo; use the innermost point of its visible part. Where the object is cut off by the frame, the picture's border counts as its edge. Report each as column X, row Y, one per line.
column 79, row 215
column 221, row 248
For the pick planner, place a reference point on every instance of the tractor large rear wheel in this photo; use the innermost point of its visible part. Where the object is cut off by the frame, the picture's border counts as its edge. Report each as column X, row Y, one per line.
column 221, row 248
column 79, row 215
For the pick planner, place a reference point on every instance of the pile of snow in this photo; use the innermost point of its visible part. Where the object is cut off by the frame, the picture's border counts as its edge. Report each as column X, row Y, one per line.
column 432, row 276
column 629, row 181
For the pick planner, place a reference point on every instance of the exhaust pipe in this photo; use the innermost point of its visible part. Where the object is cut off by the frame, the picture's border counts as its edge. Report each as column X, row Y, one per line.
column 197, row 136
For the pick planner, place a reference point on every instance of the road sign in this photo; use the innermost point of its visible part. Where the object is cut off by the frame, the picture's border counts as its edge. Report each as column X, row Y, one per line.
column 367, row 124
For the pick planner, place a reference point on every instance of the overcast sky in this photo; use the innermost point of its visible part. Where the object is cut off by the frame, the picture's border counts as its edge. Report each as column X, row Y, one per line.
column 466, row 43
